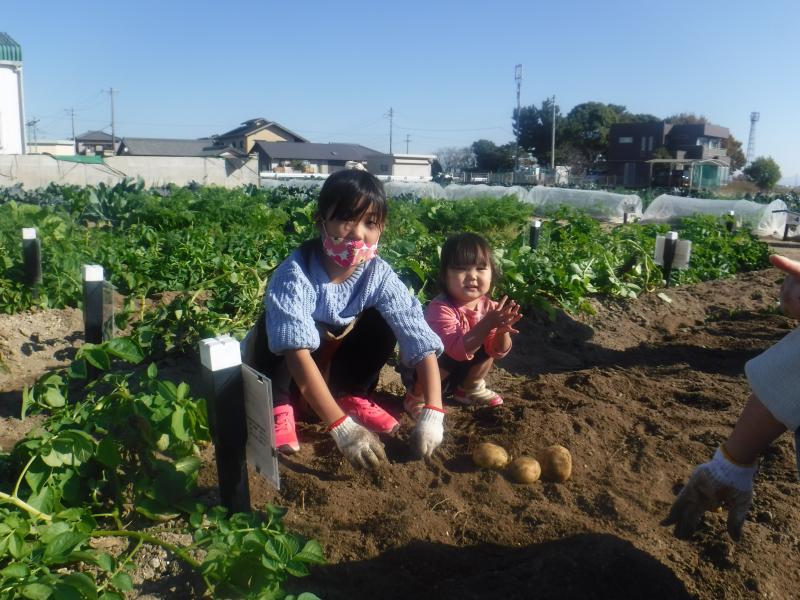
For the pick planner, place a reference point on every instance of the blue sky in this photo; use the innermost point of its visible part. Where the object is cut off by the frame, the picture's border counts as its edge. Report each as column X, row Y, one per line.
column 331, row 71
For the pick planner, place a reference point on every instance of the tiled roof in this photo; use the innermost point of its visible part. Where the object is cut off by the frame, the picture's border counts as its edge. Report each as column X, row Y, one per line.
column 313, row 151
column 9, row 49
column 256, row 124
column 172, row 147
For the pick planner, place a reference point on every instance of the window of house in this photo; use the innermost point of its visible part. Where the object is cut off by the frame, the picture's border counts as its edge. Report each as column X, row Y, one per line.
column 626, row 140
column 644, row 143
column 384, row 168
column 650, row 144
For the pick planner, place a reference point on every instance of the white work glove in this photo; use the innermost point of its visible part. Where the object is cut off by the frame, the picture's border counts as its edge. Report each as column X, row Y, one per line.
column 359, row 445
column 428, row 434
column 715, row 484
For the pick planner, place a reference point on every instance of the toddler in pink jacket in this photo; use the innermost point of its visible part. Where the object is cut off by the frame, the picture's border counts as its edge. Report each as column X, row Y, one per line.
column 474, row 329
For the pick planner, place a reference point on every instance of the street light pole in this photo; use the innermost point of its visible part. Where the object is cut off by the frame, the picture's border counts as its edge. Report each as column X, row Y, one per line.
column 553, row 142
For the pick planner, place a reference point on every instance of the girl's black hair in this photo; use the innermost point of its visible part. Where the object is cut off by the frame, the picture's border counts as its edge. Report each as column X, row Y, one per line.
column 348, row 194
column 463, row 250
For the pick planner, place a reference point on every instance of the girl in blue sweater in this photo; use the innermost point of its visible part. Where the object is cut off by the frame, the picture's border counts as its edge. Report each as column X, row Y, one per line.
column 334, row 312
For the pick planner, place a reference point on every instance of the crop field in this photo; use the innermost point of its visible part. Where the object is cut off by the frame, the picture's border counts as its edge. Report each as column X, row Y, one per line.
column 108, row 486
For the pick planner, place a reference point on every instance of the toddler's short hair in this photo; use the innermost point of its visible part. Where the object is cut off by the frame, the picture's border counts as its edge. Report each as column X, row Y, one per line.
column 465, row 249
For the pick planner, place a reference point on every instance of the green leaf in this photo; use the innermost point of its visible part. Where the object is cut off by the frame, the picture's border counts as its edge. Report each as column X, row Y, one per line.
column 108, row 453
column 97, row 357
column 59, row 548
column 36, row 591
column 179, row 424
column 188, row 465
column 126, row 349
column 77, row 369
column 123, row 582
column 152, row 371
column 311, row 553
column 54, row 398
column 83, row 583
column 167, row 390
column 15, row 571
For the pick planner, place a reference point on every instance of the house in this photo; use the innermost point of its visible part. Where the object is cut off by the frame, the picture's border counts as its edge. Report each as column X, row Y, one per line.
column 643, row 154
column 308, row 157
column 97, row 143
column 243, row 137
column 12, row 117
column 133, row 146
column 417, row 167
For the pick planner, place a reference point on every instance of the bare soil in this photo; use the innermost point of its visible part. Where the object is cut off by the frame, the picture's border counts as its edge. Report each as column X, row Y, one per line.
column 639, row 392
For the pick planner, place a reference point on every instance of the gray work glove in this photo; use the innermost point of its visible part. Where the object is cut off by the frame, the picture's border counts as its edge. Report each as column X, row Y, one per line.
column 359, row 445
column 428, row 434
column 715, row 484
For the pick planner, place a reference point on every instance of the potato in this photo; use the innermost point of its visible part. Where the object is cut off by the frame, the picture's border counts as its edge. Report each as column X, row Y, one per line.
column 524, row 469
column 490, row 456
column 556, row 463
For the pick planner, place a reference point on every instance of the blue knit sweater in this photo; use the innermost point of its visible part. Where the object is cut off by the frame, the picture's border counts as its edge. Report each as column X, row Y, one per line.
column 300, row 298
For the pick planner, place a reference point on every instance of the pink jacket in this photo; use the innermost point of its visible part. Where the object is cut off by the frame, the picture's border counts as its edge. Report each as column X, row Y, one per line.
column 453, row 322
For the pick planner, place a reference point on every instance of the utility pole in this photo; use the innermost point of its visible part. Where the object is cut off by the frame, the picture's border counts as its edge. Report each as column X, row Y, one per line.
column 113, row 129
column 518, row 79
column 71, row 113
column 408, row 139
column 553, row 142
column 390, row 114
column 33, row 132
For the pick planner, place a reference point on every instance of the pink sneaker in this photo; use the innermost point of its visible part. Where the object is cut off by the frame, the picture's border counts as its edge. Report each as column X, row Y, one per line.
column 285, row 435
column 368, row 414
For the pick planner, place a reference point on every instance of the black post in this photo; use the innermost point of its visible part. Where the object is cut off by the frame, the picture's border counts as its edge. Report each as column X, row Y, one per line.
column 93, row 304
column 786, row 230
column 670, row 241
column 536, row 230
column 625, row 218
column 222, row 380
column 31, row 257
column 731, row 222
column 92, row 311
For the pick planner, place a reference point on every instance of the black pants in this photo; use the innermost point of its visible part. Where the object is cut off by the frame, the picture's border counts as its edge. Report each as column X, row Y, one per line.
column 353, row 361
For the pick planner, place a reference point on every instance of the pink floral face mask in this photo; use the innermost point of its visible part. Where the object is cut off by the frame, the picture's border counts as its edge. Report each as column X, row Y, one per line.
column 347, row 253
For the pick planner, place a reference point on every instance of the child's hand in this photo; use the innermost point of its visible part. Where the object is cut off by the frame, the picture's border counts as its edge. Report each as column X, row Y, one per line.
column 505, row 316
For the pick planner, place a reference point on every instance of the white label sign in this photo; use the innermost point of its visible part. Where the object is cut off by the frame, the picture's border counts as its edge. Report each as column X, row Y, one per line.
column 261, row 451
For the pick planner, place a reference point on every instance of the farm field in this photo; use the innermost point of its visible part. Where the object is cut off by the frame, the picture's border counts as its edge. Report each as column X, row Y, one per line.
column 638, row 392
column 638, row 381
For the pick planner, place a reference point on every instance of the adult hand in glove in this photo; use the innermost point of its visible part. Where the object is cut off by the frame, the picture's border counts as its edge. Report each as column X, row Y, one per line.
column 359, row 445
column 428, row 434
column 718, row 483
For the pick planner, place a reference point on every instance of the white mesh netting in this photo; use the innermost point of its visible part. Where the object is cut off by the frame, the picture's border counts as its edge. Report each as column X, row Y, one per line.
column 600, row 205
column 759, row 218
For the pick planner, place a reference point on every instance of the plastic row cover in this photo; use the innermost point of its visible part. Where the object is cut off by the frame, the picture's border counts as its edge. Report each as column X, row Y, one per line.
column 597, row 204
column 759, row 218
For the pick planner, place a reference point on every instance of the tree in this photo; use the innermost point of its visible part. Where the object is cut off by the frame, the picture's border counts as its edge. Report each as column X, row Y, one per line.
column 733, row 148
column 587, row 125
column 533, row 128
column 454, row 160
column 491, row 157
column 764, row 172
column 686, row 119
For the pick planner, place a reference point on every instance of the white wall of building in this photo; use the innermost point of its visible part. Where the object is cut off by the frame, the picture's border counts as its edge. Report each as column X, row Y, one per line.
column 11, row 115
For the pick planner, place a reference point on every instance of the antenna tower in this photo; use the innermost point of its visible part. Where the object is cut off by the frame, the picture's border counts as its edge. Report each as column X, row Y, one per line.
column 751, row 141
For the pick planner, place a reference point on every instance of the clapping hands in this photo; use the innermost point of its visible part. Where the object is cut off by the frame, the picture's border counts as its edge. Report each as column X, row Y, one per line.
column 505, row 316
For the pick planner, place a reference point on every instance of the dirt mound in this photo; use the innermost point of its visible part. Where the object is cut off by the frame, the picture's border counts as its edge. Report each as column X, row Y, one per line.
column 639, row 392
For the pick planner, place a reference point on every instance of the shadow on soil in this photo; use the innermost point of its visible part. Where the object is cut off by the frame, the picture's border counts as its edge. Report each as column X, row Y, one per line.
column 586, row 566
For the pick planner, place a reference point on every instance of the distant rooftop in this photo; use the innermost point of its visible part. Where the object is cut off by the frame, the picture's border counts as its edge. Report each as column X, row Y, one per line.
column 9, row 49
